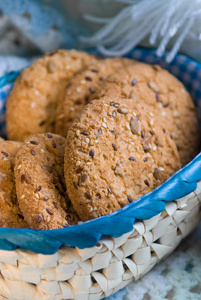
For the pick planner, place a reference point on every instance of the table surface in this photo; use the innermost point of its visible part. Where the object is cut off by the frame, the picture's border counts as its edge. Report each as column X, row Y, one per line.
column 176, row 278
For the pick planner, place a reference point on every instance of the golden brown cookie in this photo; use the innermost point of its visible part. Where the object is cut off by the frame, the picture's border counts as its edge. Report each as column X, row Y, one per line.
column 40, row 182
column 10, row 213
column 81, row 88
column 115, row 152
column 165, row 96
column 32, row 102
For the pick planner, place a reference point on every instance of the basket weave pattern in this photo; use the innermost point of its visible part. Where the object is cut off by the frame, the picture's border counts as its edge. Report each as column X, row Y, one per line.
column 97, row 272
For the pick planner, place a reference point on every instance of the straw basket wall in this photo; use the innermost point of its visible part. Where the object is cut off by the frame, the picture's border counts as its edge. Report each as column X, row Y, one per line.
column 97, row 272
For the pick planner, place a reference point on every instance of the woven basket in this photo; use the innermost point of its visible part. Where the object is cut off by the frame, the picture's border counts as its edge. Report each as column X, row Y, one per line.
column 101, row 270
column 95, row 273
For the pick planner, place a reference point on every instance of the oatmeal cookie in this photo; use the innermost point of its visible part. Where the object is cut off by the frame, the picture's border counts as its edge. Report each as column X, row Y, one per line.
column 40, row 183
column 115, row 152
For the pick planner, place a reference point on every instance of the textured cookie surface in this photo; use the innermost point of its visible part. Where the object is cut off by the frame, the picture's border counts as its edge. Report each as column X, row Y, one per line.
column 165, row 96
column 115, row 152
column 10, row 213
column 81, row 88
column 32, row 103
column 40, row 182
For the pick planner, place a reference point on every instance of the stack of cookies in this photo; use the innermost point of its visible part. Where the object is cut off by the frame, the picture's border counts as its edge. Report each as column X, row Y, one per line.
column 88, row 136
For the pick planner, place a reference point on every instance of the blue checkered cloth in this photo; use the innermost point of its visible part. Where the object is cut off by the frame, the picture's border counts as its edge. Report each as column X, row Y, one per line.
column 88, row 234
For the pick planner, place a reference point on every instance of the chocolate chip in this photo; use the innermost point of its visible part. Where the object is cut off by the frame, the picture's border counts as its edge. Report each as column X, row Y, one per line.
column 134, row 125
column 4, row 153
column 146, row 150
column 88, row 78
column 22, row 178
column 39, row 188
column 78, row 102
column 114, row 147
column 157, row 174
column 55, row 204
column 142, row 134
column 145, row 159
column 146, row 182
column 33, row 152
column 39, row 218
column 42, row 123
column 100, row 78
column 91, row 153
column 122, row 110
column 164, row 130
column 158, row 97
column 49, row 135
column 129, row 199
column 28, row 178
column 98, row 195
column 152, row 132
column 75, row 185
column 85, row 133
column 49, row 211
column 83, row 177
column 87, row 195
column 87, row 97
column 21, row 216
column 68, row 218
column 114, row 113
column 166, row 104
column 131, row 158
column 91, row 89
column 109, row 190
column 79, row 170
column 95, row 70
column 133, row 82
column 34, row 142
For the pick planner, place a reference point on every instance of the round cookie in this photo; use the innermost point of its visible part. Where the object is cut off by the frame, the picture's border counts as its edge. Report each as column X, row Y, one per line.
column 31, row 105
column 40, row 182
column 165, row 96
column 10, row 213
column 81, row 88
column 115, row 152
